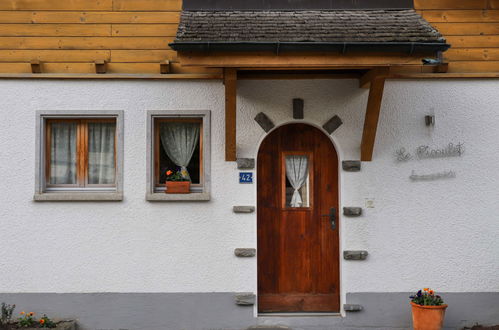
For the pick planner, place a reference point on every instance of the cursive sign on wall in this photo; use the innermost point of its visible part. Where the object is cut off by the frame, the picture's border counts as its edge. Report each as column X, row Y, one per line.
column 451, row 150
column 426, row 152
column 432, row 176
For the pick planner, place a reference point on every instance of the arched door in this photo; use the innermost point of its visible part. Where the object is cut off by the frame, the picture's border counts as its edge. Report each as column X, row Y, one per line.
column 298, row 241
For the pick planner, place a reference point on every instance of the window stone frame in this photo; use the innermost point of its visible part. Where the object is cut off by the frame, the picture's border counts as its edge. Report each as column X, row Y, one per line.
column 41, row 195
column 205, row 195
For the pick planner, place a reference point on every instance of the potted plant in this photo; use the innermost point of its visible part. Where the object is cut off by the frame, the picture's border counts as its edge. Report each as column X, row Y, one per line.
column 177, row 182
column 28, row 321
column 428, row 310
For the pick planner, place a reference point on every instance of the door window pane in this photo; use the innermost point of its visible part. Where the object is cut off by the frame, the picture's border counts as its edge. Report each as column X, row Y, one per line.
column 297, row 181
column 101, row 153
column 63, row 153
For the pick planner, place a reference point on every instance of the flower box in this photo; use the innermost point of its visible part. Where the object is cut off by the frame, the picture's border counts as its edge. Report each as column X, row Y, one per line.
column 178, row 187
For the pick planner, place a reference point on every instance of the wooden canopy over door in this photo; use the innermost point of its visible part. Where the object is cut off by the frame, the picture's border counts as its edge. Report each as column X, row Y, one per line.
column 298, row 247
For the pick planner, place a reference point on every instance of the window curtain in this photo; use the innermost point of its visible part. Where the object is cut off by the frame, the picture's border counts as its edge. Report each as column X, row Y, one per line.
column 63, row 153
column 101, row 153
column 179, row 140
column 297, row 173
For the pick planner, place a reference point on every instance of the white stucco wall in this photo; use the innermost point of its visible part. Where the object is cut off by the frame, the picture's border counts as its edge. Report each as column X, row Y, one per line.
column 441, row 234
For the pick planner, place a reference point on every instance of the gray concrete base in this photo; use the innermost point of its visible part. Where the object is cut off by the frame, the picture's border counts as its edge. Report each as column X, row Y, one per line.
column 217, row 311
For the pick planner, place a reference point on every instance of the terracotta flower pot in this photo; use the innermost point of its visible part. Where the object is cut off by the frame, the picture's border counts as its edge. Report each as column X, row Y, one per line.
column 178, row 187
column 428, row 317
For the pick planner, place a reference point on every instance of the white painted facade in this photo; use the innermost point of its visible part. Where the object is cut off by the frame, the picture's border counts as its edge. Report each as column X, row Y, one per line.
column 442, row 234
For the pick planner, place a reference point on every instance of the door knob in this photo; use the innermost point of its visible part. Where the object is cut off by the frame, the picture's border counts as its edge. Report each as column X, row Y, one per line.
column 332, row 217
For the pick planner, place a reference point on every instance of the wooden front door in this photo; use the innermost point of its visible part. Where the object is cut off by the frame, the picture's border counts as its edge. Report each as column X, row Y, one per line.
column 298, row 242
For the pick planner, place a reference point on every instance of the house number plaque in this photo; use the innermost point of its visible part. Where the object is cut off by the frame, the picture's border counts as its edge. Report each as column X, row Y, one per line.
column 245, row 177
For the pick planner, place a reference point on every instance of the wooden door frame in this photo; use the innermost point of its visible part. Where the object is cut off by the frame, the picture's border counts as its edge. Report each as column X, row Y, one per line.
column 342, row 294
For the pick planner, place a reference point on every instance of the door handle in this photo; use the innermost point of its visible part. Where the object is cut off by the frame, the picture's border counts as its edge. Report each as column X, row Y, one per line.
column 332, row 217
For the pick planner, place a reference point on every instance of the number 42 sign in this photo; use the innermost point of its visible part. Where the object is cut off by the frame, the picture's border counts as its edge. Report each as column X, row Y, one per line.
column 245, row 177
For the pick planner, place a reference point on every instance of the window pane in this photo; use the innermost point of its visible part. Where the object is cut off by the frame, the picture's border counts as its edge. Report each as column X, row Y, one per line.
column 179, row 149
column 63, row 153
column 101, row 150
column 297, row 181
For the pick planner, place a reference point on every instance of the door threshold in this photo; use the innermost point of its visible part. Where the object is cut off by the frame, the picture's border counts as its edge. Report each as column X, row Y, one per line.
column 298, row 314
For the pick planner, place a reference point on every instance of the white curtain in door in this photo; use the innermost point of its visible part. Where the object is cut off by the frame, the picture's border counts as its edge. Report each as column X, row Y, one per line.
column 297, row 173
column 101, row 153
column 179, row 140
column 63, row 153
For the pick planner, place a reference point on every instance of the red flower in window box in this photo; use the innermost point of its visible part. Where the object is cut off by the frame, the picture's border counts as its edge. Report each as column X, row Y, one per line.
column 177, row 182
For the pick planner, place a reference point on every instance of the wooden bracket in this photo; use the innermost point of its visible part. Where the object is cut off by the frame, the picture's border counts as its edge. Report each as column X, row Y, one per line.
column 164, row 67
column 371, row 119
column 36, row 66
column 100, row 66
column 365, row 79
column 441, row 68
column 230, row 82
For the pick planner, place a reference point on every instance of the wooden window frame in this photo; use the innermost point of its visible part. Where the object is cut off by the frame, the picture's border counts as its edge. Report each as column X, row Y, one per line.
column 81, row 153
column 199, row 192
column 82, row 191
column 161, row 187
column 310, row 155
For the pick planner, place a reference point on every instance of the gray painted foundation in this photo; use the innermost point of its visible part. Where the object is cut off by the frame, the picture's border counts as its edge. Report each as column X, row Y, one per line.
column 210, row 311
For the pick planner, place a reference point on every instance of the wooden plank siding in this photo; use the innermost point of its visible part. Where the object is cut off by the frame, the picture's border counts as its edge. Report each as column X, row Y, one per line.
column 68, row 36
column 472, row 29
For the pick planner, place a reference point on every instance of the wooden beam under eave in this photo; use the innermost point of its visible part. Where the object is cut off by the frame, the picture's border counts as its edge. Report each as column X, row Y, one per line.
column 365, row 80
column 371, row 118
column 230, row 82
column 296, row 60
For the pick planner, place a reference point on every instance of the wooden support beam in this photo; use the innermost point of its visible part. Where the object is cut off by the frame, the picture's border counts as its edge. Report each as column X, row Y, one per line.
column 441, row 68
column 164, row 67
column 371, row 119
column 296, row 60
column 36, row 66
column 230, row 82
column 365, row 80
column 100, row 66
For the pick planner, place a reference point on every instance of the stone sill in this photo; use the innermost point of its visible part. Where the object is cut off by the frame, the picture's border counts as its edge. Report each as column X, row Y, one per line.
column 78, row 196
column 192, row 197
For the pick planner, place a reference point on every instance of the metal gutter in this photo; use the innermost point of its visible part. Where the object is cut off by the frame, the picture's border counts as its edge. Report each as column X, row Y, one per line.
column 282, row 47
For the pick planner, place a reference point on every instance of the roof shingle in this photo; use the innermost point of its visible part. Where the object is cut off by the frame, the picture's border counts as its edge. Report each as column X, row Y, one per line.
column 370, row 26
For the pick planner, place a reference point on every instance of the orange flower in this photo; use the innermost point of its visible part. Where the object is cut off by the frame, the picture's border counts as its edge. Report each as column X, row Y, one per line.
column 22, row 313
column 31, row 314
column 432, row 292
column 426, row 289
column 169, row 172
column 42, row 321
